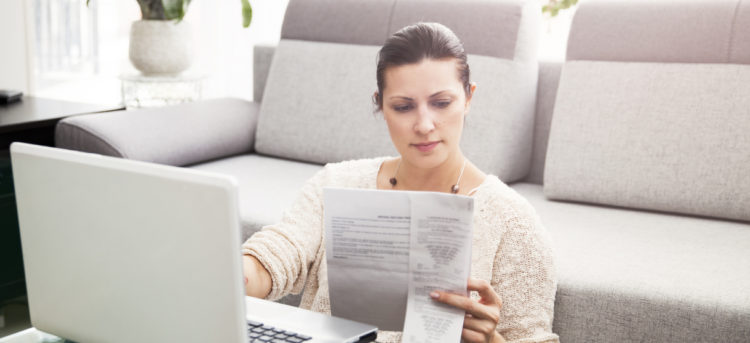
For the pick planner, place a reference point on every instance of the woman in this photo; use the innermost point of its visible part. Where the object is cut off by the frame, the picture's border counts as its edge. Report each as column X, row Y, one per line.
column 424, row 94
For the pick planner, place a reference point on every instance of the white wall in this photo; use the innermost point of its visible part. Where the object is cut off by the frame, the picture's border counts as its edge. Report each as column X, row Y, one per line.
column 225, row 49
column 553, row 36
column 15, row 53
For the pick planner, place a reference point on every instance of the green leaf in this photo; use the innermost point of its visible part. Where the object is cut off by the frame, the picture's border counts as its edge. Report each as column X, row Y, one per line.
column 553, row 7
column 175, row 9
column 247, row 13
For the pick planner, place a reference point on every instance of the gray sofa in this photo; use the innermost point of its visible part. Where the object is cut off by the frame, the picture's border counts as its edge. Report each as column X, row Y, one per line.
column 635, row 151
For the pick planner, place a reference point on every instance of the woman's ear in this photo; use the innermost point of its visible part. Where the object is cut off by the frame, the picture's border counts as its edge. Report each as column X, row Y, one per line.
column 375, row 97
column 472, row 89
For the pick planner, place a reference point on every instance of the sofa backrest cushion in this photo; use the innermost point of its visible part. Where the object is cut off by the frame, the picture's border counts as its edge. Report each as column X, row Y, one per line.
column 665, row 129
column 317, row 102
column 689, row 31
column 262, row 56
column 546, row 92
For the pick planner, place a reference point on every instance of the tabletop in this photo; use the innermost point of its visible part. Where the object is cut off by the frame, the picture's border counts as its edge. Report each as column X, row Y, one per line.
column 33, row 112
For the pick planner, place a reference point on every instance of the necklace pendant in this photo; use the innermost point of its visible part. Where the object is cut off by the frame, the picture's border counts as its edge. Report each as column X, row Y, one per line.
column 454, row 189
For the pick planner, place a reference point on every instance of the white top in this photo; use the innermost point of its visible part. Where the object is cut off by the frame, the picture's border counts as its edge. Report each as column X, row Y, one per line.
column 510, row 249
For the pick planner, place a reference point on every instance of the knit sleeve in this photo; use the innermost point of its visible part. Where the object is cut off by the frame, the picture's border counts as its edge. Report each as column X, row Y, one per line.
column 288, row 249
column 524, row 277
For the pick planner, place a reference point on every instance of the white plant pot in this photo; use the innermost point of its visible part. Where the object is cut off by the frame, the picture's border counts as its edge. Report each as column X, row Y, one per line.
column 161, row 47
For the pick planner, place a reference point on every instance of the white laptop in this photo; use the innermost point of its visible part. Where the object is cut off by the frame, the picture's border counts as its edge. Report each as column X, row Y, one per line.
column 125, row 251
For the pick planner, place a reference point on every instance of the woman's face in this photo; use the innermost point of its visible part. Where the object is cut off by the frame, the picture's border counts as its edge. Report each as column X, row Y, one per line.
column 424, row 106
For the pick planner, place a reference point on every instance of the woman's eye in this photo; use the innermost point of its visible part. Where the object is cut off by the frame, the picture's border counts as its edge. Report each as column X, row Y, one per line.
column 442, row 104
column 402, row 108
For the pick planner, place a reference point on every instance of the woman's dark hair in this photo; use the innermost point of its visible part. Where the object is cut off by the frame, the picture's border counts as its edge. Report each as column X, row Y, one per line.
column 415, row 43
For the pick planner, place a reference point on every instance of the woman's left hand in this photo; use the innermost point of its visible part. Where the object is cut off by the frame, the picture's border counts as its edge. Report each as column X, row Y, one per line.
column 481, row 316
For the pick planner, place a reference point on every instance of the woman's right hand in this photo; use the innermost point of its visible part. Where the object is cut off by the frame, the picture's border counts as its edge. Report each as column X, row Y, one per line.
column 257, row 278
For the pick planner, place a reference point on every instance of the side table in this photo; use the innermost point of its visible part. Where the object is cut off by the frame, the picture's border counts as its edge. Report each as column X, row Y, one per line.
column 33, row 120
column 140, row 91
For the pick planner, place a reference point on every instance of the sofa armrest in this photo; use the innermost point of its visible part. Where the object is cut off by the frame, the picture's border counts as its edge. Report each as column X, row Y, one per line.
column 176, row 135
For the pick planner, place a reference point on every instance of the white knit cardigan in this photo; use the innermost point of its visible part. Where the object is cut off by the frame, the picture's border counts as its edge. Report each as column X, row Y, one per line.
column 510, row 249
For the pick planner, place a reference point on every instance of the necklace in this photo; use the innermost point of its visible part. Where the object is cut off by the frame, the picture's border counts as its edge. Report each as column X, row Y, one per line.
column 454, row 189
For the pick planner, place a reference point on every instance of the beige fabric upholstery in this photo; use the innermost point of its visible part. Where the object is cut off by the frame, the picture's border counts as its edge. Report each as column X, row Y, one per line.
column 635, row 276
column 262, row 55
column 490, row 28
column 175, row 135
column 266, row 186
column 465, row 18
column 498, row 130
column 328, row 87
column 694, row 31
column 549, row 77
column 741, row 35
column 666, row 137
column 338, row 21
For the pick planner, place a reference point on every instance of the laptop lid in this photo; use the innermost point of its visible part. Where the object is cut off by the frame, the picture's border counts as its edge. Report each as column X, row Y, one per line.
column 124, row 251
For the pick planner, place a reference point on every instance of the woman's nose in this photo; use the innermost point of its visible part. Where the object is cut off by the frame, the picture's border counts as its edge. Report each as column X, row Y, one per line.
column 425, row 121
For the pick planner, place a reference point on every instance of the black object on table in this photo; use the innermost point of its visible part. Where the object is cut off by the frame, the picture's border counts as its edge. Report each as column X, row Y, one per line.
column 8, row 96
column 30, row 120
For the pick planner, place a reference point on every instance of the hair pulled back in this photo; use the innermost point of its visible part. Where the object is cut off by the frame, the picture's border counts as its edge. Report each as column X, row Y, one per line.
column 418, row 42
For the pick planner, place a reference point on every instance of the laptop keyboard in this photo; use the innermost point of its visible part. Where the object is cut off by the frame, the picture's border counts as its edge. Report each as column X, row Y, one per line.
column 262, row 333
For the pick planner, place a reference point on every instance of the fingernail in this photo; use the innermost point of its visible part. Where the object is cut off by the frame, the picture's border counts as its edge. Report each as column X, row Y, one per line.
column 434, row 295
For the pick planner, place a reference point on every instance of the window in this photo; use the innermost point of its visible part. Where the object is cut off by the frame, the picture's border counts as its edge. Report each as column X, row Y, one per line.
column 81, row 51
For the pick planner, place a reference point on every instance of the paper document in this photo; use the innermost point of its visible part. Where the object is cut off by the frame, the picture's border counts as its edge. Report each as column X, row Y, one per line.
column 387, row 250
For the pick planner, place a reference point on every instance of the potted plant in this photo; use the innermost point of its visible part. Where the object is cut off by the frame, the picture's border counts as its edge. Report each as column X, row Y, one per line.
column 555, row 6
column 160, row 43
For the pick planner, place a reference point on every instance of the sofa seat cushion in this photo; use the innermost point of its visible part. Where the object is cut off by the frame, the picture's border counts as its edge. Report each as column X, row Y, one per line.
column 639, row 276
column 267, row 186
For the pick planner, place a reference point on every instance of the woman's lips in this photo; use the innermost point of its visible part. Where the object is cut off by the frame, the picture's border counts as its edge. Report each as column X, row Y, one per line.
column 425, row 147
